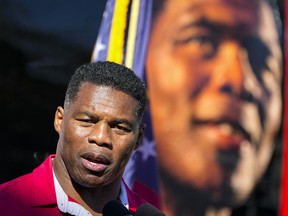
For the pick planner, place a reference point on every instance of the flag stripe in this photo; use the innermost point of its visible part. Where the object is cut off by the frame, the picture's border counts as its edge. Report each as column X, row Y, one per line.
column 283, row 207
column 123, row 38
column 102, row 42
column 117, row 36
column 132, row 33
column 142, row 37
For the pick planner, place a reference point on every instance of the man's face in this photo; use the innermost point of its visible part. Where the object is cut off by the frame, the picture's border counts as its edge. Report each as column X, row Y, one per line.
column 214, row 73
column 98, row 133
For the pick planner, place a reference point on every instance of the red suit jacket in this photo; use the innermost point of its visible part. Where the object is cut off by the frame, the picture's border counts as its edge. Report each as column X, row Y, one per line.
column 34, row 194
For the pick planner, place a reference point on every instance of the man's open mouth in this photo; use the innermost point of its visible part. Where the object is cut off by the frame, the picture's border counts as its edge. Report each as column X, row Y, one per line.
column 95, row 162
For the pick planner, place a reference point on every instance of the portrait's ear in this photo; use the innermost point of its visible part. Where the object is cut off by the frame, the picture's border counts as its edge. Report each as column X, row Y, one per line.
column 140, row 135
column 58, row 118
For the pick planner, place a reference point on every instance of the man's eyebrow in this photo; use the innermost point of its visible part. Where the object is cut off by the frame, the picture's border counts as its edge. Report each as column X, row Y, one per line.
column 114, row 121
column 89, row 114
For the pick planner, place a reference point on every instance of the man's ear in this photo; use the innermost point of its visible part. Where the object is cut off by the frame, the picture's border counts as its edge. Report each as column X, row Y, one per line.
column 58, row 118
column 140, row 135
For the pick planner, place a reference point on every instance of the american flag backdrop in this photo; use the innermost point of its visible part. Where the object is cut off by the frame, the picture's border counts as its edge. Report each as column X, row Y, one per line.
column 124, row 40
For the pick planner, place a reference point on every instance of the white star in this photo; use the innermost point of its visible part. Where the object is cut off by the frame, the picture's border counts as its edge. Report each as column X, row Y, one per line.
column 147, row 149
column 99, row 46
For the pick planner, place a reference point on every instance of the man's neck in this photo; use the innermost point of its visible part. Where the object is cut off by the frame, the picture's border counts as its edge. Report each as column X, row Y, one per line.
column 92, row 199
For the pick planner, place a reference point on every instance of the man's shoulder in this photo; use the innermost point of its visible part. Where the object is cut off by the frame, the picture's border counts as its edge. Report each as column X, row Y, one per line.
column 15, row 194
column 22, row 181
column 18, row 185
column 37, row 179
column 27, row 194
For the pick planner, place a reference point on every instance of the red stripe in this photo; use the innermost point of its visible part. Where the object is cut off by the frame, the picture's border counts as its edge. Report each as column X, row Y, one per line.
column 284, row 189
column 147, row 193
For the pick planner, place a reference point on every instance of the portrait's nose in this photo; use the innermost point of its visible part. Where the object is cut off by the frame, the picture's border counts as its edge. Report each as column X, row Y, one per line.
column 228, row 74
column 100, row 134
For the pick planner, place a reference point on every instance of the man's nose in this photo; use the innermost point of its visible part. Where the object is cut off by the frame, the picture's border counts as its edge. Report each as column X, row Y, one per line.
column 100, row 134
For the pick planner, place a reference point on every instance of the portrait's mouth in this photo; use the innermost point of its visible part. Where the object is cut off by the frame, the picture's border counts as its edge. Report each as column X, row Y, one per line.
column 229, row 135
column 228, row 158
column 230, row 131
column 95, row 162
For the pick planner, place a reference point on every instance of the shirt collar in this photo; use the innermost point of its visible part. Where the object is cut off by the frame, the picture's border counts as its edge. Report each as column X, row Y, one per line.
column 74, row 208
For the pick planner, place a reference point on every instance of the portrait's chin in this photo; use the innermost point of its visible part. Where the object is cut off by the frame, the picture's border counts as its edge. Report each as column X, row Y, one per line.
column 239, row 197
column 244, row 178
column 175, row 190
column 230, row 189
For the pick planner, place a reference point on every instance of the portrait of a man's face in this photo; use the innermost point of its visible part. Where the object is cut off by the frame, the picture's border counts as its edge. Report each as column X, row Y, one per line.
column 214, row 80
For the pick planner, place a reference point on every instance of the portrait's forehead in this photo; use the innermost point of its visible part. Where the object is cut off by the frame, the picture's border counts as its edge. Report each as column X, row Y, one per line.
column 230, row 13
column 269, row 34
column 238, row 3
column 209, row 6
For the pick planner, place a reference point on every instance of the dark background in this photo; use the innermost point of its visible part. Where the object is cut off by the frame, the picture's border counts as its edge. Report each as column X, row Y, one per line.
column 41, row 44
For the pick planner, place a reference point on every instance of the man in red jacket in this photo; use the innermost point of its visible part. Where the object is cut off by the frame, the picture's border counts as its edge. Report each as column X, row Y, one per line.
column 99, row 127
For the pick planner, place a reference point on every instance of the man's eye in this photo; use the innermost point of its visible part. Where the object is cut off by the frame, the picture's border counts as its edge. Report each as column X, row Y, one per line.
column 86, row 121
column 121, row 128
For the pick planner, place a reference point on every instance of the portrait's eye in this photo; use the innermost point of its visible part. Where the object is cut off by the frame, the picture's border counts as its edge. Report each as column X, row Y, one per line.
column 258, row 60
column 196, row 40
column 197, row 45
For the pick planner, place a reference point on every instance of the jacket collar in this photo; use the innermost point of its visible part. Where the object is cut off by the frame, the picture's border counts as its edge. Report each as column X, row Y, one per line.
column 43, row 190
